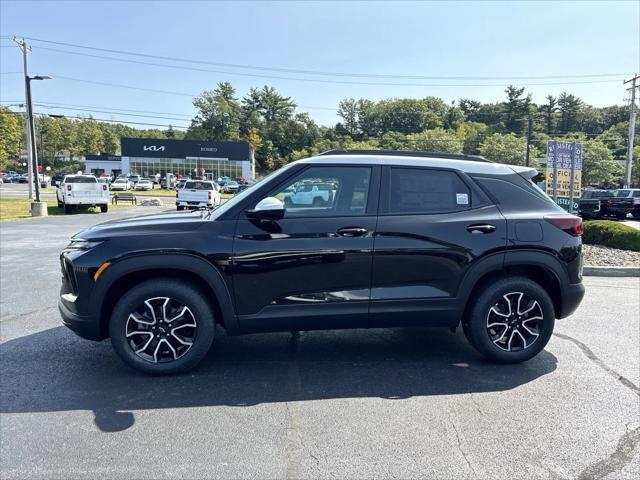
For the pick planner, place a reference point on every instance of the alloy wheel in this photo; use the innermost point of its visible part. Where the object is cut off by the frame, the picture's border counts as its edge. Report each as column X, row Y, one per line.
column 161, row 330
column 514, row 322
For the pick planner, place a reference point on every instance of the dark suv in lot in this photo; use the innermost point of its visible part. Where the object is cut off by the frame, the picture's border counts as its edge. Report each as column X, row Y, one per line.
column 406, row 239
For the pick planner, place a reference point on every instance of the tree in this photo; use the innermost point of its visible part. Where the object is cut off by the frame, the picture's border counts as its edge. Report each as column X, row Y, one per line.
column 11, row 135
column 506, row 148
column 569, row 106
column 436, row 140
column 348, row 111
column 516, row 109
column 549, row 110
column 218, row 115
column 89, row 137
column 598, row 165
column 472, row 134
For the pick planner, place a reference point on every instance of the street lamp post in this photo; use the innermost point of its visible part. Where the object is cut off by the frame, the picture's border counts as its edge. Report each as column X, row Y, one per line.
column 32, row 133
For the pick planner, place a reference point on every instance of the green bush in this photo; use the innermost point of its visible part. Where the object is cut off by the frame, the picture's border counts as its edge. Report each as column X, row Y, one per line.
column 611, row 234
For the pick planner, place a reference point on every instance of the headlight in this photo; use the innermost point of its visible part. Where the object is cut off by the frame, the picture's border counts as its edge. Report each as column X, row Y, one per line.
column 78, row 244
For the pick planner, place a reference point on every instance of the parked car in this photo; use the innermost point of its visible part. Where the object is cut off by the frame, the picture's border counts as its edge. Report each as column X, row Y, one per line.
column 56, row 180
column 595, row 203
column 133, row 179
column 24, row 178
column 143, row 184
column 82, row 190
column 44, row 180
column 230, row 187
column 198, row 194
column 309, row 194
column 120, row 184
column 408, row 239
column 624, row 202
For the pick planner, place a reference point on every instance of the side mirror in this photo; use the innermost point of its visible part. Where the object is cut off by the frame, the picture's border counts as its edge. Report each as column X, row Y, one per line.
column 269, row 208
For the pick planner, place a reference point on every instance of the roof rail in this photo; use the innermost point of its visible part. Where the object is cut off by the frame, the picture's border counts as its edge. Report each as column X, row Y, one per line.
column 408, row 153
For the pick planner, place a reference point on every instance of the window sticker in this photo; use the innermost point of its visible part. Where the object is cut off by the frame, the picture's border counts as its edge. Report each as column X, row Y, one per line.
column 462, row 198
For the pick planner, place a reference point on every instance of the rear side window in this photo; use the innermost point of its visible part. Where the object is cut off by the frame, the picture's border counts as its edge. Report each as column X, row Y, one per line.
column 623, row 193
column 414, row 190
column 636, row 194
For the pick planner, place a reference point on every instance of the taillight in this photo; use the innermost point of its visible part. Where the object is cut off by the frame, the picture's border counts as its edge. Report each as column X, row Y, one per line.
column 567, row 223
column 69, row 187
column 609, row 202
column 209, row 194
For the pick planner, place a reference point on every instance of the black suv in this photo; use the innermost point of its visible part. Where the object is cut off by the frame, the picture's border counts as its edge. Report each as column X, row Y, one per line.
column 404, row 239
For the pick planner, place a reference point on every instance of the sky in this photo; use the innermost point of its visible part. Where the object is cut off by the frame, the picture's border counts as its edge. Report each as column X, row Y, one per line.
column 459, row 41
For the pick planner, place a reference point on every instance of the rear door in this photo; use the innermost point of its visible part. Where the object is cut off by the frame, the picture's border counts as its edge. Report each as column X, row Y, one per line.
column 433, row 224
column 312, row 268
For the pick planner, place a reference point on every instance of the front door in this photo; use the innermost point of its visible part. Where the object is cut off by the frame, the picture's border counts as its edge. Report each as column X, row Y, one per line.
column 311, row 269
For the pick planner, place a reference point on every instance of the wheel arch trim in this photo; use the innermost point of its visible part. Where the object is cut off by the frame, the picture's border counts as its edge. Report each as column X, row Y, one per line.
column 496, row 262
column 186, row 262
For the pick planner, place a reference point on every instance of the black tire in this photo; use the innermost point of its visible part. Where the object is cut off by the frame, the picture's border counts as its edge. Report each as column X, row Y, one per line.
column 67, row 208
column 179, row 207
column 59, row 203
column 183, row 294
column 481, row 336
column 104, row 208
column 317, row 202
column 288, row 203
column 636, row 214
column 621, row 216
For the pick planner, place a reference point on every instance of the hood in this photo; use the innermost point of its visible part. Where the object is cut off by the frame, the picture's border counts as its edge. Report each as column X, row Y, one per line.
column 154, row 224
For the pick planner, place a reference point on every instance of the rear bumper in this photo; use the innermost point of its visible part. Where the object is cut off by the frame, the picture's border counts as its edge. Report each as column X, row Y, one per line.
column 572, row 295
column 83, row 326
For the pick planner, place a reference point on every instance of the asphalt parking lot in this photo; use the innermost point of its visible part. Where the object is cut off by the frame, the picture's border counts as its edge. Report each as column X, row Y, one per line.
column 404, row 403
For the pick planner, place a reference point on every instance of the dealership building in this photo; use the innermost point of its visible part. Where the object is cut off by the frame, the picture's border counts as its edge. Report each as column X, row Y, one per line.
column 182, row 158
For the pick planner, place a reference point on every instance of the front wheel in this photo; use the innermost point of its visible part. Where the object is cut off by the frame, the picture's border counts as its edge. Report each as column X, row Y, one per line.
column 511, row 320
column 162, row 326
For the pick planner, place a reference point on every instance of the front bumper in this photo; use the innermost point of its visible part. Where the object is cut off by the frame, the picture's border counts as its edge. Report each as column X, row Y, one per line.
column 572, row 295
column 84, row 326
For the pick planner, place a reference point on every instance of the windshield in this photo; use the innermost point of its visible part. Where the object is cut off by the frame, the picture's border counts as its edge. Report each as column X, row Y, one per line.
column 80, row 180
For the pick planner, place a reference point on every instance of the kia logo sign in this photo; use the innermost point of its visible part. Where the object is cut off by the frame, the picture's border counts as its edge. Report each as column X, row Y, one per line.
column 153, row 148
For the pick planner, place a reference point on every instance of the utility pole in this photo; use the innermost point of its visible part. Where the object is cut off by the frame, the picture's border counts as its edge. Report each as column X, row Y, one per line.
column 632, row 129
column 529, row 137
column 22, row 44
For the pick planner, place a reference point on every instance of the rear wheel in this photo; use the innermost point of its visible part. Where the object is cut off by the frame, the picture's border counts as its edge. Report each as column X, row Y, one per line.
column 104, row 208
column 317, row 202
column 621, row 216
column 511, row 320
column 161, row 327
column 67, row 208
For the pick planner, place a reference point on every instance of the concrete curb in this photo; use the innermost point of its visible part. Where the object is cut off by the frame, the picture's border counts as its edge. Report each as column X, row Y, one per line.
column 607, row 271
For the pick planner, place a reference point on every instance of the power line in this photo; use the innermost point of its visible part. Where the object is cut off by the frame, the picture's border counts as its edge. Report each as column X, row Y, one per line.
column 319, row 72
column 42, row 114
column 313, row 80
column 114, row 109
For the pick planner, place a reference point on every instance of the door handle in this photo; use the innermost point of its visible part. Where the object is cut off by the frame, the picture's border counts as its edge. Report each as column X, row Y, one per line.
column 351, row 231
column 481, row 228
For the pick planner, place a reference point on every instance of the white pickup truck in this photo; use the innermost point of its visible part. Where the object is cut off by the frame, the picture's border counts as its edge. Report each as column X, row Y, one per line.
column 310, row 194
column 198, row 194
column 82, row 190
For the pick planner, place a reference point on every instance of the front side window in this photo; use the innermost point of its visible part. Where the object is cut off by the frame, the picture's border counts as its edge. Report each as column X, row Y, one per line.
column 326, row 191
column 414, row 190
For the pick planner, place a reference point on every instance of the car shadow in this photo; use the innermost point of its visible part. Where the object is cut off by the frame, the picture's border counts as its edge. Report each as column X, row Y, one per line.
column 54, row 370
